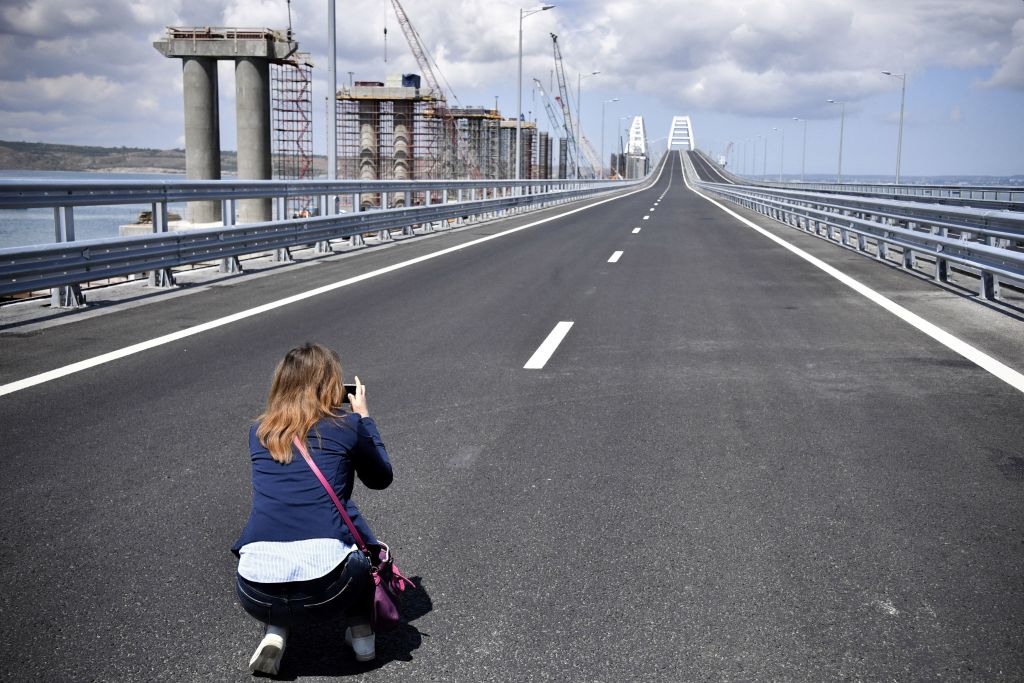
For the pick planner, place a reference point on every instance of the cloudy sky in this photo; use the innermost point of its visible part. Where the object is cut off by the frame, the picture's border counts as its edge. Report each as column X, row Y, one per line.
column 86, row 72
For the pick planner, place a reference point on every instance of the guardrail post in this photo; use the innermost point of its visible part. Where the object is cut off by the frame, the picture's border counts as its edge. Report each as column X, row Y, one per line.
column 67, row 296
column 162, row 277
column 909, row 260
column 283, row 255
column 989, row 286
column 941, row 269
column 881, row 247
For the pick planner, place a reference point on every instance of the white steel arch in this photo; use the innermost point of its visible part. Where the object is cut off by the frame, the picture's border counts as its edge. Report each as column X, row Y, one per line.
column 681, row 133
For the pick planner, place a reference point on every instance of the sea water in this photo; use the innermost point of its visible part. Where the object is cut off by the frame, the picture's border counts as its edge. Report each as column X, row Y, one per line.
column 25, row 227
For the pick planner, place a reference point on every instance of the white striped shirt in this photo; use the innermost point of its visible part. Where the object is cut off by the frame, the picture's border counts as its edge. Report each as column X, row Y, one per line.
column 284, row 561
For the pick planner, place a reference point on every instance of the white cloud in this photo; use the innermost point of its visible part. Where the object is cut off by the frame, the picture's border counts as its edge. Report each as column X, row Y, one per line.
column 94, row 58
column 1010, row 73
column 73, row 89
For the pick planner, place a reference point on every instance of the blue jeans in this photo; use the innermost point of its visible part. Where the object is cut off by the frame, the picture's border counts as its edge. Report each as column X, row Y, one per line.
column 347, row 590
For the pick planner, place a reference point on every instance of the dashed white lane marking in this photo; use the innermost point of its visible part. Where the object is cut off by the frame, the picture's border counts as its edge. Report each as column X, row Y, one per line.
column 646, row 217
column 543, row 353
column 971, row 353
column 615, row 257
column 636, row 230
column 110, row 356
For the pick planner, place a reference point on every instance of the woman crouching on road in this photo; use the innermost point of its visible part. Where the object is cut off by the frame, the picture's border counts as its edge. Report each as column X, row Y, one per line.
column 297, row 560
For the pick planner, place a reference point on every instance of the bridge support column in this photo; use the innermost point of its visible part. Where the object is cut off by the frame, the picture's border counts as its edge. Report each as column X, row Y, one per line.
column 202, row 131
column 252, row 95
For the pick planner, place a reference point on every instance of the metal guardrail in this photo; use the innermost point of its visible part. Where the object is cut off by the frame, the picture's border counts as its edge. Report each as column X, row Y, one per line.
column 998, row 197
column 66, row 265
column 988, row 244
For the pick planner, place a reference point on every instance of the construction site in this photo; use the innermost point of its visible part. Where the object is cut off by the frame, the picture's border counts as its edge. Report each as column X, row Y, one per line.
column 404, row 127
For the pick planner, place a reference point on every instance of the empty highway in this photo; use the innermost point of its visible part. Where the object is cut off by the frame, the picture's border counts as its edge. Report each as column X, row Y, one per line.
column 731, row 466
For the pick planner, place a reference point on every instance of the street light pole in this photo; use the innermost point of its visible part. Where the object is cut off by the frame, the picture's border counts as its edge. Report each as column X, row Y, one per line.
column 803, row 154
column 764, row 162
column 579, row 111
column 753, row 162
column 519, row 87
column 600, row 171
column 842, row 122
column 782, row 149
column 903, row 98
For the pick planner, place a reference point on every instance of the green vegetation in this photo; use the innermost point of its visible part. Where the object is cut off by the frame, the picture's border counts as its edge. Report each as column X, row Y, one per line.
column 38, row 156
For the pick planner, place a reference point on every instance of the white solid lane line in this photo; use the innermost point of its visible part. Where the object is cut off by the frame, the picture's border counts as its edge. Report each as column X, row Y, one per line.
column 636, row 230
column 980, row 358
column 104, row 358
column 543, row 353
column 615, row 257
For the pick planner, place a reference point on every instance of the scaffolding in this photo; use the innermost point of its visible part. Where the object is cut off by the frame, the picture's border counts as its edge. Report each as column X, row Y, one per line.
column 390, row 133
column 542, row 162
column 478, row 134
column 292, row 124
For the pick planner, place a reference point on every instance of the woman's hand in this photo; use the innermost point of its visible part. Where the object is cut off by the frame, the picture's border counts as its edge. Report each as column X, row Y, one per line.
column 358, row 399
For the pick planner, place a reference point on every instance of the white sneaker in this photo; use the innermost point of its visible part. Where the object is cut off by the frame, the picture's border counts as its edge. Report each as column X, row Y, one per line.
column 363, row 642
column 267, row 658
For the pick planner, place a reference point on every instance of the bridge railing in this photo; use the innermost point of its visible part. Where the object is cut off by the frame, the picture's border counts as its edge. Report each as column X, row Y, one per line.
column 999, row 197
column 67, row 264
column 922, row 237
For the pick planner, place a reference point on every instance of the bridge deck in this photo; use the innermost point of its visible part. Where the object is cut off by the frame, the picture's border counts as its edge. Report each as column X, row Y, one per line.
column 733, row 467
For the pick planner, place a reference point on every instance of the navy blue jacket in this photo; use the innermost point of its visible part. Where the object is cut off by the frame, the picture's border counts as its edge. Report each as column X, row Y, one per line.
column 288, row 501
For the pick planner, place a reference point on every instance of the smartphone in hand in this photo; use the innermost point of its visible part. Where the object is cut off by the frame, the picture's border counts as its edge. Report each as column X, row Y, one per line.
column 349, row 389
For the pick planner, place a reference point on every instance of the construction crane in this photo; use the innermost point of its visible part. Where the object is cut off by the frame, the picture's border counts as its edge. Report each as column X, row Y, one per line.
column 563, row 99
column 425, row 62
column 723, row 159
column 419, row 52
column 588, row 151
column 556, row 125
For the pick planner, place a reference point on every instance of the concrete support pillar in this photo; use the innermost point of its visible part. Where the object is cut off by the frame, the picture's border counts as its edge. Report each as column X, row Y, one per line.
column 252, row 95
column 369, row 151
column 202, row 131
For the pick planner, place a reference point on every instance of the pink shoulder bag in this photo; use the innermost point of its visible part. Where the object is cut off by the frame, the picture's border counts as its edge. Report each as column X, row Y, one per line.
column 388, row 581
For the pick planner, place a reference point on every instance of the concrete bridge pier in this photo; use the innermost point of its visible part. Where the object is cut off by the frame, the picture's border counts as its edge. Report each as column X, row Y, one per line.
column 252, row 97
column 202, row 131
column 252, row 50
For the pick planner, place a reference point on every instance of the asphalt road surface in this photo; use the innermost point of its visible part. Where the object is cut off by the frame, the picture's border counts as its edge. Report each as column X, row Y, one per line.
column 731, row 468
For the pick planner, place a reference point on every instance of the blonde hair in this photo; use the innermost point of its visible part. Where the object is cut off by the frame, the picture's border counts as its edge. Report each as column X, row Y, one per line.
column 307, row 386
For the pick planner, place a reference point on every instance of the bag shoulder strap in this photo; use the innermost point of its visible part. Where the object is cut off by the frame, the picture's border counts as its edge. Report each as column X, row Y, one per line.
column 330, row 491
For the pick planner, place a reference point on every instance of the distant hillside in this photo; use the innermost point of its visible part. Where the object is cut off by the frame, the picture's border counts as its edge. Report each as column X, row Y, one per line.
column 39, row 156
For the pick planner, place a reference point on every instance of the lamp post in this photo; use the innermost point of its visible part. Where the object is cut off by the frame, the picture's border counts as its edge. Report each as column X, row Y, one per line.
column 623, row 144
column 600, row 171
column 753, row 162
column 764, row 161
column 579, row 110
column 842, row 122
column 903, row 98
column 519, row 86
column 803, row 154
column 782, row 149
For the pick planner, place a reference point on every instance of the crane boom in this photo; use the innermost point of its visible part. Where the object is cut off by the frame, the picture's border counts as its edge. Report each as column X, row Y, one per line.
column 588, row 151
column 563, row 99
column 459, row 143
column 418, row 51
column 556, row 125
